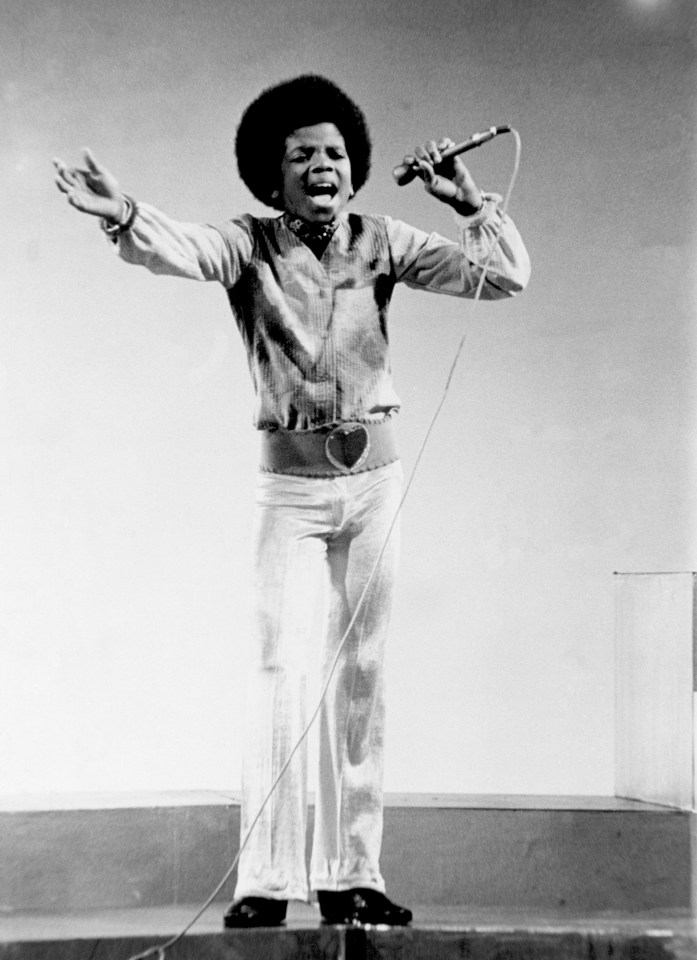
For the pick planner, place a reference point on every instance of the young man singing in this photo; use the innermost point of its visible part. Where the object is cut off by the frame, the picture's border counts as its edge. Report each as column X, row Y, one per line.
column 310, row 290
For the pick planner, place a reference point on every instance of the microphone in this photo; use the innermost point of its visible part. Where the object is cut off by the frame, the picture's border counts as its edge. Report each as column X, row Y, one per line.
column 404, row 173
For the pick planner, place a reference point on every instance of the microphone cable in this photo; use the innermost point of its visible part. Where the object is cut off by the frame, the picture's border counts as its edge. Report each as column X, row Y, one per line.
column 160, row 950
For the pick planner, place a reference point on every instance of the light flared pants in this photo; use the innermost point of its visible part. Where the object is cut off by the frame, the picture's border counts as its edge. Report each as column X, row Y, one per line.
column 316, row 542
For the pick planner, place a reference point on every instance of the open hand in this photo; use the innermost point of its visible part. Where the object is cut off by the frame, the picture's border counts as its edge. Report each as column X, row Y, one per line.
column 448, row 180
column 92, row 190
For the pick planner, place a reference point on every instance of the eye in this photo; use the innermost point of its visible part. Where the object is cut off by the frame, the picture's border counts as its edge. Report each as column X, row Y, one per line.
column 299, row 156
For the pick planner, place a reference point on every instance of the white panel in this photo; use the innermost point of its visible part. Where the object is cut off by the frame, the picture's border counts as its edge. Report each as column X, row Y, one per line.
column 654, row 686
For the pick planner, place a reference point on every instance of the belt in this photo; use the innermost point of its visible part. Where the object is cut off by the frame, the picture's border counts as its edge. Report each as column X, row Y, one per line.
column 333, row 451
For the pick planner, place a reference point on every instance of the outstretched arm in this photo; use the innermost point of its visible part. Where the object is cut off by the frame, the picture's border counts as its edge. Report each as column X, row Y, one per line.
column 148, row 237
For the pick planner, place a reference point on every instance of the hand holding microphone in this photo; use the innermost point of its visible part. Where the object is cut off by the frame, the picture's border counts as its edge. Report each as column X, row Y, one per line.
column 445, row 176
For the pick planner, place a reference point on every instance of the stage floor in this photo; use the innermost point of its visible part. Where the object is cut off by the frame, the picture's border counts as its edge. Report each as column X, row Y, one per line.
column 437, row 933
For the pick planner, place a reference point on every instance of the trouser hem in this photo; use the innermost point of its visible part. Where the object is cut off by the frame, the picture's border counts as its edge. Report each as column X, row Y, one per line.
column 341, row 886
column 292, row 893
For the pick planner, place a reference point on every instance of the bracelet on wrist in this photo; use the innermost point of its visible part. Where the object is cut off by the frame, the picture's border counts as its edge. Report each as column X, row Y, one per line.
column 476, row 208
column 114, row 228
column 472, row 211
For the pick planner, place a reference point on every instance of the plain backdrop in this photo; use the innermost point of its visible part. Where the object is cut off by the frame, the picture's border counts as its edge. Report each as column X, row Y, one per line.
column 564, row 451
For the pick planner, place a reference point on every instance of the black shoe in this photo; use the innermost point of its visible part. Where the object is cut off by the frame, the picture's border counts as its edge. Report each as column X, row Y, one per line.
column 361, row 905
column 256, row 912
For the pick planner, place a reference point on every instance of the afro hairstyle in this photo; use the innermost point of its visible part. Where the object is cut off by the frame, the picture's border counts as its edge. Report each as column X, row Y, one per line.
column 285, row 107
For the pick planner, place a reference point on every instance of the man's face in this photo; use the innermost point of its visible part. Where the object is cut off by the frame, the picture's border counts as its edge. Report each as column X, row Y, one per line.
column 316, row 173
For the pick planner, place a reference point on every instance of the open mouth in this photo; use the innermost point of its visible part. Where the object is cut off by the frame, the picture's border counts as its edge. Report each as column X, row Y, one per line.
column 322, row 189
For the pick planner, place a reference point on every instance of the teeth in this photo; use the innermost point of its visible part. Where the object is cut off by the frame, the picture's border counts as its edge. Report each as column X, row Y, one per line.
column 321, row 188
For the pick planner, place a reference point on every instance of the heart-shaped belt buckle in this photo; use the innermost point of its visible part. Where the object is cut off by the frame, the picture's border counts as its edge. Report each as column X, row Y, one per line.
column 347, row 446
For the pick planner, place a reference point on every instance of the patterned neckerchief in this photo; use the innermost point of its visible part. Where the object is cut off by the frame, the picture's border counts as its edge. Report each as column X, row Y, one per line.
column 315, row 235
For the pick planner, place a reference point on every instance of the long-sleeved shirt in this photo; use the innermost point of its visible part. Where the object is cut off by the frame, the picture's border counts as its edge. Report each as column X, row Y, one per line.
column 315, row 329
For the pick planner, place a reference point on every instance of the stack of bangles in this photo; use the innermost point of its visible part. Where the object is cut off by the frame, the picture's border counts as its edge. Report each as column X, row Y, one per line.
column 114, row 228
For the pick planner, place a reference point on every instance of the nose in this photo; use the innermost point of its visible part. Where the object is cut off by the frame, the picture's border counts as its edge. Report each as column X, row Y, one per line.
column 322, row 161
